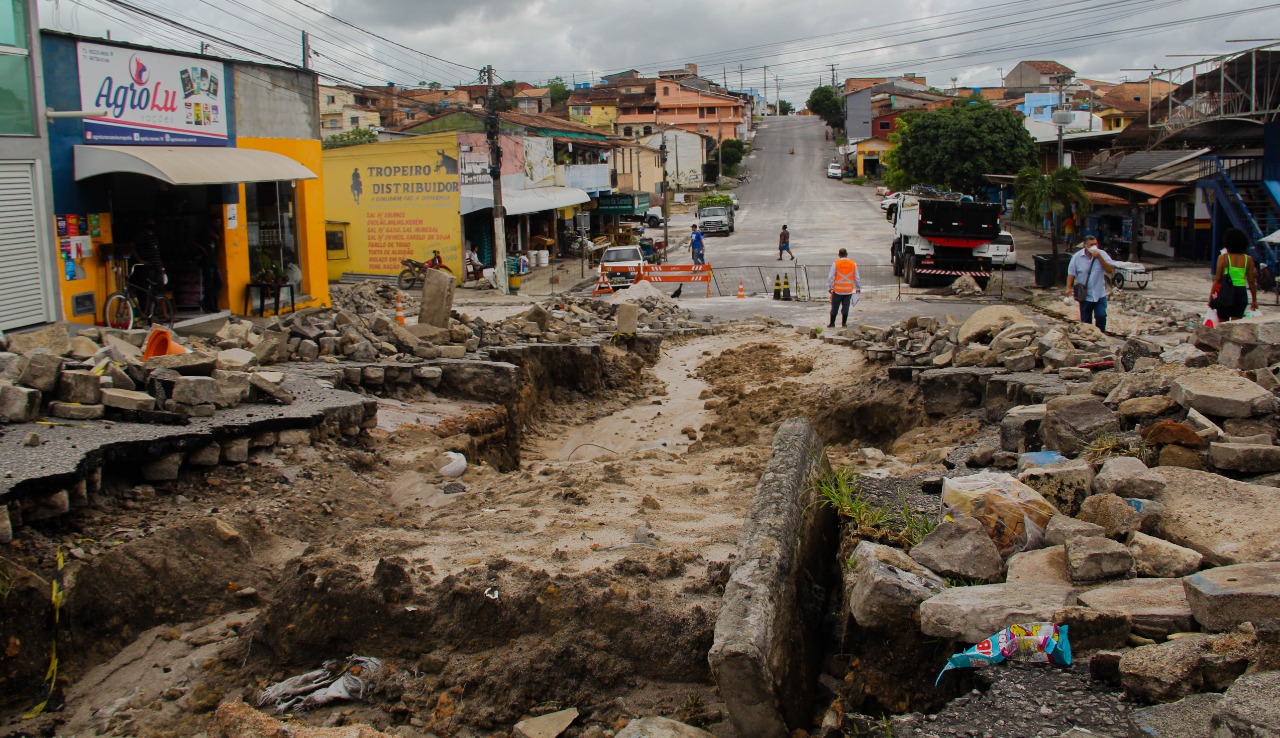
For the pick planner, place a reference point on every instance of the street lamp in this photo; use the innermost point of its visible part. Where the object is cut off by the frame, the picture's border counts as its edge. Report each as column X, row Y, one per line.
column 666, row 200
column 1061, row 117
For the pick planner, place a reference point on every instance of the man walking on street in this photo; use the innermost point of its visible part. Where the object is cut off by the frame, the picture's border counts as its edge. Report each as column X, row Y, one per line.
column 1089, row 270
column 842, row 282
column 696, row 246
column 784, row 243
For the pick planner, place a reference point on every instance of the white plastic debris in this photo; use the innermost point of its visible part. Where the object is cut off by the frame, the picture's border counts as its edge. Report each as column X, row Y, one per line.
column 457, row 465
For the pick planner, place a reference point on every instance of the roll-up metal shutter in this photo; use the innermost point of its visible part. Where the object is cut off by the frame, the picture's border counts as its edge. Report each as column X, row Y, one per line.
column 22, row 299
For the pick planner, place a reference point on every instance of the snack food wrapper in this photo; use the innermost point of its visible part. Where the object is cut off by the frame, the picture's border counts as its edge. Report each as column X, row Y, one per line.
column 1043, row 643
column 1013, row 514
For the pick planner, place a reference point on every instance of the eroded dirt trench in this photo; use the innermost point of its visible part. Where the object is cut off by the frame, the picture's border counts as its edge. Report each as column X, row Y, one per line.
column 590, row 577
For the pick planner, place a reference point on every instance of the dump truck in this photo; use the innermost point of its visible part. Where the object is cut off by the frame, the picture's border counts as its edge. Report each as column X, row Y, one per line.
column 940, row 236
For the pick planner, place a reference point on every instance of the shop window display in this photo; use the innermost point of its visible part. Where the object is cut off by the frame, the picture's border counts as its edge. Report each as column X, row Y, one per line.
column 273, row 243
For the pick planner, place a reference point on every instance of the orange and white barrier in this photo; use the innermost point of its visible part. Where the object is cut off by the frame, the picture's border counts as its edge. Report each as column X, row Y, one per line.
column 742, row 293
column 694, row 273
column 399, row 309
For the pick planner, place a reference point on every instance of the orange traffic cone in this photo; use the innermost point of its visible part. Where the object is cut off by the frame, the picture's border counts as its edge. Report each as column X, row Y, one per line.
column 399, row 309
column 742, row 293
column 160, row 342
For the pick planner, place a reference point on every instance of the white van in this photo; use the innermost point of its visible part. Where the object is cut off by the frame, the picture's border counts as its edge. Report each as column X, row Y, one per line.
column 1001, row 251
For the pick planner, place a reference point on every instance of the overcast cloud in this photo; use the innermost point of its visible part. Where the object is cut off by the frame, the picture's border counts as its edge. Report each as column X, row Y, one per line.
column 579, row 40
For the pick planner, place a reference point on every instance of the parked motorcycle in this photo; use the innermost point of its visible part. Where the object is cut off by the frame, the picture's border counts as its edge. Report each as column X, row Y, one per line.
column 415, row 273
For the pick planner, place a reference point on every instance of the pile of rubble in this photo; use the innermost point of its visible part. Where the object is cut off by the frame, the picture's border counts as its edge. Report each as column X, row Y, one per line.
column 370, row 296
column 997, row 336
column 1140, row 512
column 571, row 318
column 100, row 372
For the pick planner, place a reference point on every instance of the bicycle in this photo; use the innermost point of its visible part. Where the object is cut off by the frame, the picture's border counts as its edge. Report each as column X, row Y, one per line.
column 135, row 305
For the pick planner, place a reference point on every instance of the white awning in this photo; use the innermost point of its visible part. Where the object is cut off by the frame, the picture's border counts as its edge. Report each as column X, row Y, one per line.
column 519, row 202
column 189, row 165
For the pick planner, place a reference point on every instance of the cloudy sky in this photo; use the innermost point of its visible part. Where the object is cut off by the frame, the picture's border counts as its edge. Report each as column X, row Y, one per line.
column 447, row 41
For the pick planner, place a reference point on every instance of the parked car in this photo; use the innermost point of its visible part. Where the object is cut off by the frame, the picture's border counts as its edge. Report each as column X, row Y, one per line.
column 890, row 205
column 1001, row 251
column 716, row 220
column 630, row 257
column 833, row 171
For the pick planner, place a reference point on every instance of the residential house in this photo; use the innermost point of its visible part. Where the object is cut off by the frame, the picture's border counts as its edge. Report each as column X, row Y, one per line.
column 1146, row 91
column 853, row 84
column 716, row 114
column 533, row 100
column 863, row 106
column 344, row 109
column 33, row 269
column 686, row 155
column 596, row 107
column 1118, row 112
column 639, row 169
column 616, row 77
column 246, row 164
column 1036, row 75
column 867, row 154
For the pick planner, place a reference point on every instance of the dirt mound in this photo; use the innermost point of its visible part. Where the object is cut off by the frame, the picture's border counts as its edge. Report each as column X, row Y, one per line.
column 644, row 292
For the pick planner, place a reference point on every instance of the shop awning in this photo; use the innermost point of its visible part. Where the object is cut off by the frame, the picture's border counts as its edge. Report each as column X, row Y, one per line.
column 189, row 165
column 519, row 202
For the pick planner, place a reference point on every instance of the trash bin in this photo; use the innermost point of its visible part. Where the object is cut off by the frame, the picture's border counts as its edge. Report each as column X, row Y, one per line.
column 1044, row 270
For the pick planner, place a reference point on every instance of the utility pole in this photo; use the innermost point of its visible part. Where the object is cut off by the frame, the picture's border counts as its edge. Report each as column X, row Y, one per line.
column 719, row 149
column 306, row 50
column 833, row 76
column 741, row 86
column 777, row 93
column 666, row 198
column 491, row 126
column 765, row 89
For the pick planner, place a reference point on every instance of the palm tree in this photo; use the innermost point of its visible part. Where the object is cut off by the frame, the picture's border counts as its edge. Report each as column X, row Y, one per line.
column 1040, row 194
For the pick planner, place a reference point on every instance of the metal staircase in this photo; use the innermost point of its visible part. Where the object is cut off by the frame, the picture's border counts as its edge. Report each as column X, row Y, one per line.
column 1249, row 199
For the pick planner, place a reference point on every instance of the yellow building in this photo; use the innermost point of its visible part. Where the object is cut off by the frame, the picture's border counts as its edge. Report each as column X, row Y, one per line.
column 869, row 153
column 392, row 200
column 597, row 107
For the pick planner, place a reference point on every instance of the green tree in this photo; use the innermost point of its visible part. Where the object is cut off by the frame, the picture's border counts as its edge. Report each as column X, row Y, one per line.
column 354, row 137
column 731, row 153
column 827, row 105
column 955, row 147
column 785, row 108
column 1038, row 195
column 894, row 178
column 433, row 86
column 559, row 91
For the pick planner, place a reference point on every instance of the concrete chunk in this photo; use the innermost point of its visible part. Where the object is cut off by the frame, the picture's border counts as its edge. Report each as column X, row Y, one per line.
column 1064, row 484
column 128, row 399
column 1189, row 717
column 1250, row 708
column 1041, row 566
column 971, row 614
column 1074, row 421
column 1229, row 522
column 195, row 390
column 1156, row 557
column 1090, row 559
column 960, row 548
column 42, row 371
column 1222, row 394
column 75, row 411
column 885, row 586
column 1127, row 476
column 1245, row 457
column 763, row 638
column 1223, row 598
column 1062, row 527
column 19, row 404
column 1158, row 606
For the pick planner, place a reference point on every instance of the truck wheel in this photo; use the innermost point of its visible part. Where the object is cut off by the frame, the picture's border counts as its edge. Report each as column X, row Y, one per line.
column 895, row 259
column 913, row 279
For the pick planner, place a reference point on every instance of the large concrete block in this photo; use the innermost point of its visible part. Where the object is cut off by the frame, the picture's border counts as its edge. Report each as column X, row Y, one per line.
column 885, row 586
column 960, row 548
column 1222, row 395
column 1158, row 606
column 437, row 298
column 1250, row 708
column 1223, row 598
column 79, row 386
column 1064, row 484
column 1229, row 522
column 948, row 391
column 19, row 404
column 1074, row 421
column 766, row 654
column 971, row 614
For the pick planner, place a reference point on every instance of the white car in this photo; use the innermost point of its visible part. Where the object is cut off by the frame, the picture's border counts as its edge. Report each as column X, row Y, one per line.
column 1001, row 251
column 624, row 264
column 890, row 205
column 833, row 171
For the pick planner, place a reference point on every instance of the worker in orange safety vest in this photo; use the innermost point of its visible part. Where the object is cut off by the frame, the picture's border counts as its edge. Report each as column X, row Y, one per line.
column 842, row 283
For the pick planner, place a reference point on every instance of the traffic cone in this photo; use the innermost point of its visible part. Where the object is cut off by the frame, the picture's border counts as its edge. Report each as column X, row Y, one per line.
column 777, row 287
column 786, row 288
column 399, row 309
column 603, row 286
column 742, row 292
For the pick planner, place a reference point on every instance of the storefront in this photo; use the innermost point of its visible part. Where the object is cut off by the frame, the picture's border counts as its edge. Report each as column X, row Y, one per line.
column 163, row 162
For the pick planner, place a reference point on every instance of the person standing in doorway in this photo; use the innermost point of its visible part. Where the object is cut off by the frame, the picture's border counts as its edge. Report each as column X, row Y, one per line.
column 1089, row 269
column 696, row 245
column 842, row 283
column 208, row 247
column 784, row 243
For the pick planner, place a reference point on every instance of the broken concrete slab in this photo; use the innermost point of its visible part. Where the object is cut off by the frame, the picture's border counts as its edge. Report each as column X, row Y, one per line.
column 128, row 400
column 948, row 391
column 1142, row 408
column 236, row 360
column 1127, row 476
column 767, row 627
column 1074, row 421
column 1224, row 597
column 195, row 390
column 1229, row 522
column 1250, row 708
column 1189, row 717
column 1222, row 394
column 885, row 586
column 971, row 614
column 1041, row 566
column 988, row 322
column 76, row 411
column 1158, row 606
column 1020, row 428
column 1064, row 484
column 1244, row 457
column 1117, row 517
column 19, row 404
column 195, row 363
column 55, row 338
column 1165, row 672
column 1090, row 559
column 1062, row 527
column 1156, row 557
column 960, row 548
column 437, row 298
column 549, row 725
column 42, row 371
column 660, row 727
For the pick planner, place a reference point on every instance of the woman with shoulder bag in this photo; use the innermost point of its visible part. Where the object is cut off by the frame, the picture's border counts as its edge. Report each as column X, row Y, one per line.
column 1235, row 279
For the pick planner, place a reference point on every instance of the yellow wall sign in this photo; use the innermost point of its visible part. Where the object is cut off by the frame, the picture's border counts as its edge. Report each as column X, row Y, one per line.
column 398, row 199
